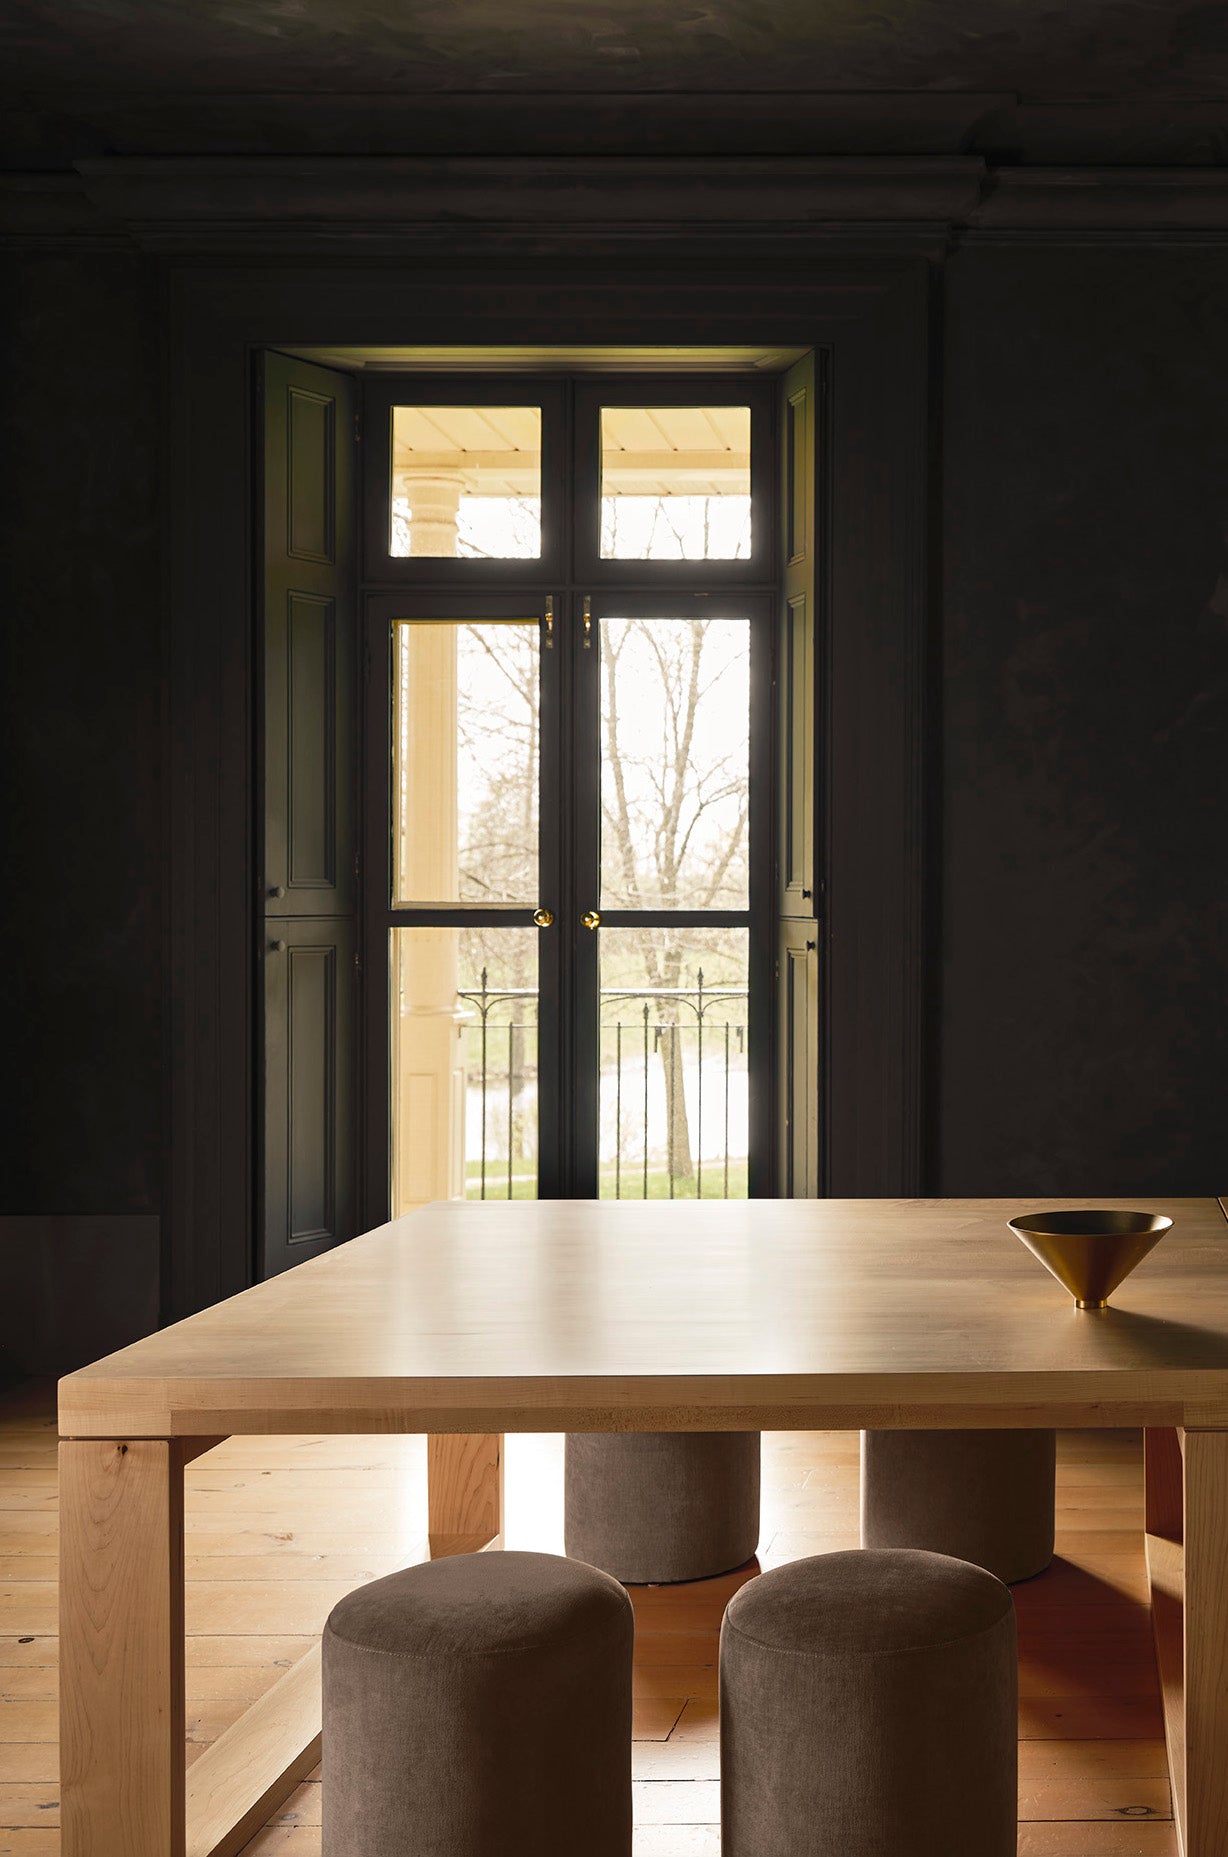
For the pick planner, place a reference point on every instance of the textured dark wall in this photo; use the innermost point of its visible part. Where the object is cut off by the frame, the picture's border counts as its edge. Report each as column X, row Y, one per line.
column 1083, row 1041
column 80, row 658
column 1084, row 1030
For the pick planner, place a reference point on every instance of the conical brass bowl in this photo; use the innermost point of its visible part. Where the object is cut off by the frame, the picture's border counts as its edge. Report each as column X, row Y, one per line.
column 1091, row 1253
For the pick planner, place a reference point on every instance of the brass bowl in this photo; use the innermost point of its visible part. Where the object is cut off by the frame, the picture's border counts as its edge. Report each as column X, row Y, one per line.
column 1090, row 1253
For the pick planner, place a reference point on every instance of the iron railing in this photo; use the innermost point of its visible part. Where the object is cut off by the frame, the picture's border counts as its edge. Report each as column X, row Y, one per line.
column 517, row 1072
column 701, row 1044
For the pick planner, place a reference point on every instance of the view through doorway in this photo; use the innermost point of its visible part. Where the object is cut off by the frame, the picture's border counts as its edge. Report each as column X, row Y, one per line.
column 571, row 683
column 538, row 833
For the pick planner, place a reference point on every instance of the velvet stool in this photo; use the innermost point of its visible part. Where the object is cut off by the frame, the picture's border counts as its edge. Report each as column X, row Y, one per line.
column 651, row 1507
column 983, row 1496
column 868, row 1707
column 479, row 1706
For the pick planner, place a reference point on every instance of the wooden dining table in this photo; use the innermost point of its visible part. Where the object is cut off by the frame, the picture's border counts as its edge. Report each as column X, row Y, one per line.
column 466, row 1321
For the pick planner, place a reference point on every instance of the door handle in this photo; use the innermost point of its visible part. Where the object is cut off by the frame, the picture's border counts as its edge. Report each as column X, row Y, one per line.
column 543, row 917
column 591, row 919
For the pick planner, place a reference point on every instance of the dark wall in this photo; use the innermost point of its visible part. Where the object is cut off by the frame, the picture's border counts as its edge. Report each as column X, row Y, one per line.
column 1084, row 1030
column 80, row 673
column 1082, row 1042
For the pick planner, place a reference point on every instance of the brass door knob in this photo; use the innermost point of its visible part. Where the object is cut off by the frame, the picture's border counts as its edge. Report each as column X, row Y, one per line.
column 591, row 919
column 543, row 917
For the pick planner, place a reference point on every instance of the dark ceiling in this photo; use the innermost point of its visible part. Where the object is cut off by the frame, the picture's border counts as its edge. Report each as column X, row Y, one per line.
column 1106, row 48
column 1138, row 81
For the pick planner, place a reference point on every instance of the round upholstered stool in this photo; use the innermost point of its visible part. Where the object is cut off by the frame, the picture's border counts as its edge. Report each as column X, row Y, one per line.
column 662, row 1505
column 479, row 1704
column 983, row 1496
column 868, row 1710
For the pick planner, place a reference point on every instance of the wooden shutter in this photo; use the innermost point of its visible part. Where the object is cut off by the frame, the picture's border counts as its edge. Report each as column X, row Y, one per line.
column 797, row 940
column 309, row 840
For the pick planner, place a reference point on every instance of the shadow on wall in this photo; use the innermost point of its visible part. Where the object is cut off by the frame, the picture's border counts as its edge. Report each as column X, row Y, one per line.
column 1085, row 724
column 75, row 1288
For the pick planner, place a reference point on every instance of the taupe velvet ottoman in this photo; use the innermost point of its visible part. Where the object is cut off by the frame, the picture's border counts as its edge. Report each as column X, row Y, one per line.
column 652, row 1507
column 868, row 1705
column 984, row 1496
column 479, row 1705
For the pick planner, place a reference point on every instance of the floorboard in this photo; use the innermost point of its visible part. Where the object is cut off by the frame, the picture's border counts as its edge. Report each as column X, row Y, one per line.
column 279, row 1528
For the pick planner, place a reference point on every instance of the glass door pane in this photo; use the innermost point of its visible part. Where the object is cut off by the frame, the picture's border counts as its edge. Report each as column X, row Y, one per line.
column 466, row 482
column 466, row 735
column 675, row 483
column 674, row 776
column 674, row 1095
column 465, row 776
column 464, row 1064
column 675, row 763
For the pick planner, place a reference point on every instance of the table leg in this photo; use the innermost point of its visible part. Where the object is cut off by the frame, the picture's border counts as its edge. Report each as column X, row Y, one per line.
column 121, row 1648
column 1206, row 1644
column 464, row 1478
column 1162, row 1483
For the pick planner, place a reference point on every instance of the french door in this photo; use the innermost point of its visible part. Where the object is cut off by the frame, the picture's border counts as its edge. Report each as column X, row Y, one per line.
column 570, row 606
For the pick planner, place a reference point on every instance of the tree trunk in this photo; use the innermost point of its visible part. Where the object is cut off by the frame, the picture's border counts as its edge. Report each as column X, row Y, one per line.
column 678, row 1133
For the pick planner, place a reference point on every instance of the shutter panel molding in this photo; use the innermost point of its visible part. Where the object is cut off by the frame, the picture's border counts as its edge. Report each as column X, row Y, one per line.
column 798, row 1057
column 309, row 1049
column 309, row 636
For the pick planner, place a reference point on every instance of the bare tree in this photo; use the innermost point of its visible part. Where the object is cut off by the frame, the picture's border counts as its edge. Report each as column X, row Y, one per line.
column 658, row 798
column 674, row 790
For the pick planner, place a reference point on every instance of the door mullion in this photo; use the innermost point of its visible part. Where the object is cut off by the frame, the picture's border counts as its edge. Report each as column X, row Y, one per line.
column 375, row 870
column 585, row 942
column 554, row 964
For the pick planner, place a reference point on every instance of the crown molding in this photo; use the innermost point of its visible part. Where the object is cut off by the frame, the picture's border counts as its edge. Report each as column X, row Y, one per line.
column 1102, row 201
column 52, row 212
column 85, row 121
column 51, row 128
column 462, row 206
column 377, row 203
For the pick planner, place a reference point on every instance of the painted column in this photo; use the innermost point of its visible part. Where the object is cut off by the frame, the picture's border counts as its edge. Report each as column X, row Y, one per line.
column 428, row 1080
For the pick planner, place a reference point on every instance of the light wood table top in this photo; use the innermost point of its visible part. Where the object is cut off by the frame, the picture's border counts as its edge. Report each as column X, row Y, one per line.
column 466, row 1321
column 589, row 1314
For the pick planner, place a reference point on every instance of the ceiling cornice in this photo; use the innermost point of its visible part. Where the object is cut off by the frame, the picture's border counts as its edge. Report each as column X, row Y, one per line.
column 52, row 211
column 1103, row 200
column 460, row 205
column 144, row 124
column 377, row 202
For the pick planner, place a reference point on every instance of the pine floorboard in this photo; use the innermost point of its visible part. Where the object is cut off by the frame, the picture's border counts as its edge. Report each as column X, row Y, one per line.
column 279, row 1528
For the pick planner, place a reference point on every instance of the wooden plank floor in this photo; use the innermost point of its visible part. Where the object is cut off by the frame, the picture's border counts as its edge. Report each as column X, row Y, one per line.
column 279, row 1528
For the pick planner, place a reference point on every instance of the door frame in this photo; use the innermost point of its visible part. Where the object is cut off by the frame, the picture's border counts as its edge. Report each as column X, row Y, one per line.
column 872, row 319
column 566, row 571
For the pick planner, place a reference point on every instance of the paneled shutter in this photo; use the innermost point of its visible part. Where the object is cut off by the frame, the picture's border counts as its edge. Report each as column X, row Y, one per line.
column 308, row 870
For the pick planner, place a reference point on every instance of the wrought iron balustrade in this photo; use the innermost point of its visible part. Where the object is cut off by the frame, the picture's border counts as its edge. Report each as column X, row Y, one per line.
column 679, row 1130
